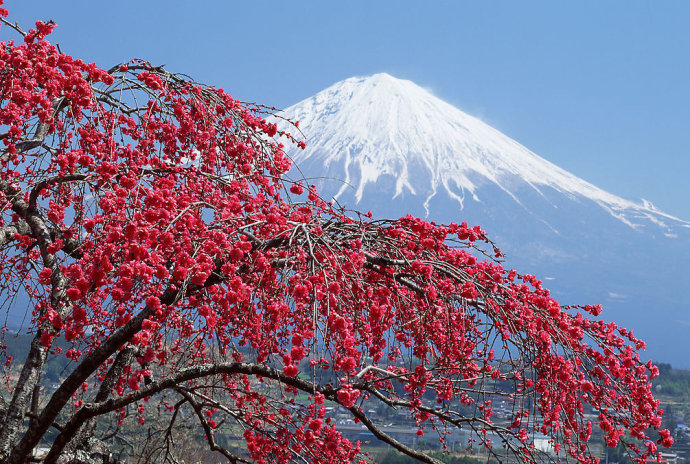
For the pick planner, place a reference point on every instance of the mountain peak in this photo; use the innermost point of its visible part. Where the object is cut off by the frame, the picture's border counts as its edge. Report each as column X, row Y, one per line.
column 382, row 78
column 365, row 129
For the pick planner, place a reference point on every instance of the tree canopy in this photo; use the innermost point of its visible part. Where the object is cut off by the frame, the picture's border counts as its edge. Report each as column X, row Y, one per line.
column 149, row 224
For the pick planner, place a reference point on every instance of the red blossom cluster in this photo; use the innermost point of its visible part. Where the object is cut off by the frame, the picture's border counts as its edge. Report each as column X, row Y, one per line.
column 144, row 216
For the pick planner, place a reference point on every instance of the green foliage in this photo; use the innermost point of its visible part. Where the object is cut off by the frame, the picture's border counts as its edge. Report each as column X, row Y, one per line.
column 672, row 382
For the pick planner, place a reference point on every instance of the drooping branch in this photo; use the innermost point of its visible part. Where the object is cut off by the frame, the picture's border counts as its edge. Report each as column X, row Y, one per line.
column 171, row 381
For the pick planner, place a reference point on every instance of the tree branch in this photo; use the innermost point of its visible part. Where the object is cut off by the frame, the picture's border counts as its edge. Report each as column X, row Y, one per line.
column 7, row 233
column 90, row 410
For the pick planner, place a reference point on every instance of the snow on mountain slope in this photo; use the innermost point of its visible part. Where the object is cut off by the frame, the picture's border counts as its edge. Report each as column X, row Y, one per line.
column 363, row 128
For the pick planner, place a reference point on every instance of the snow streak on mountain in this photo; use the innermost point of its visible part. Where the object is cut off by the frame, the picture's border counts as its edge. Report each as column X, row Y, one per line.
column 363, row 128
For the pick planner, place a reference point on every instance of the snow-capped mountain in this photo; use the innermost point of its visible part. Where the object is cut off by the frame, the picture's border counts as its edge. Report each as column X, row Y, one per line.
column 364, row 128
column 389, row 145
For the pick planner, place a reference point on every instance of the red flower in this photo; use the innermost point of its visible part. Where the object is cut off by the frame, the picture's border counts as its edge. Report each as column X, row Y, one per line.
column 46, row 338
column 74, row 294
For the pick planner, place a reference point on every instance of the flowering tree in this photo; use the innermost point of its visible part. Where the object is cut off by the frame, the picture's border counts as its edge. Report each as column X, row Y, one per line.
column 149, row 227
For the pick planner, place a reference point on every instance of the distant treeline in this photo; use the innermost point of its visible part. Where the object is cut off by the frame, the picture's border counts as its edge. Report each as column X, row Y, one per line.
column 672, row 382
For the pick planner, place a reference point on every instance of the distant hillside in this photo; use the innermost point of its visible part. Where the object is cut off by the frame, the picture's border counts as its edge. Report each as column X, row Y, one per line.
column 672, row 382
column 17, row 346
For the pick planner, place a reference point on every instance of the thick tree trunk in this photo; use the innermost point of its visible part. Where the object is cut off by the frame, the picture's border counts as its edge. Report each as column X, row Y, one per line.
column 13, row 420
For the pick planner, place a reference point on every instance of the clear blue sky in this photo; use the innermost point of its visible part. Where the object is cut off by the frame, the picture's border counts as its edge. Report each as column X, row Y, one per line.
column 600, row 88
